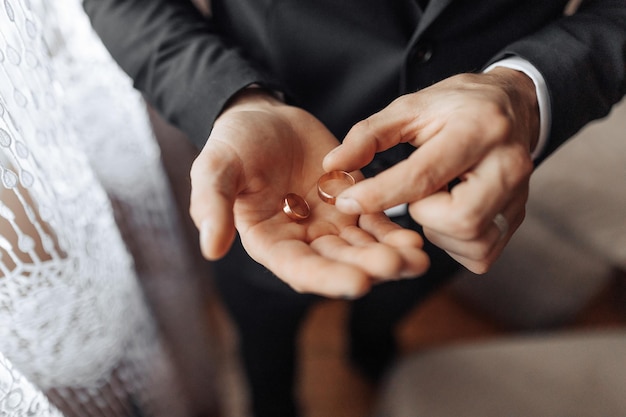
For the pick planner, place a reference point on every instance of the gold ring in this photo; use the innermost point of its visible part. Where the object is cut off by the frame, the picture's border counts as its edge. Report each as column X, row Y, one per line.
column 331, row 184
column 296, row 207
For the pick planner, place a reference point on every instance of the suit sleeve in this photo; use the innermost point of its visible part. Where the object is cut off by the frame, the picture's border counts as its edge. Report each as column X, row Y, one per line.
column 582, row 58
column 176, row 58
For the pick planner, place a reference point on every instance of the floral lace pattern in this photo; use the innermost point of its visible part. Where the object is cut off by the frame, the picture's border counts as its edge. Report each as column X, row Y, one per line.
column 73, row 319
column 18, row 395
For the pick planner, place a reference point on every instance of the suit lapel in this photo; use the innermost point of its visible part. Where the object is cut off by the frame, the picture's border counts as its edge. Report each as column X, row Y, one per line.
column 433, row 10
column 428, row 16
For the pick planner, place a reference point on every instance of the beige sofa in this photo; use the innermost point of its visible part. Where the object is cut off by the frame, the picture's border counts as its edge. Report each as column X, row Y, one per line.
column 572, row 244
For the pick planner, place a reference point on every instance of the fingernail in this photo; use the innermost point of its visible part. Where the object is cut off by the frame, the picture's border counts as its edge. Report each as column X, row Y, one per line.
column 348, row 205
column 330, row 154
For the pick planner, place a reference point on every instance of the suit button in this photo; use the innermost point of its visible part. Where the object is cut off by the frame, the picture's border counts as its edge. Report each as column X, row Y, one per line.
column 422, row 53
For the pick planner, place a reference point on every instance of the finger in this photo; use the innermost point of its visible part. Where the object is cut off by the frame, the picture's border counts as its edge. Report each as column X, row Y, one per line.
column 356, row 236
column 479, row 254
column 306, row 271
column 407, row 242
column 366, row 138
column 406, row 245
column 440, row 160
column 481, row 266
column 453, row 214
column 483, row 245
column 403, row 120
column 377, row 260
column 213, row 193
column 386, row 231
column 469, row 208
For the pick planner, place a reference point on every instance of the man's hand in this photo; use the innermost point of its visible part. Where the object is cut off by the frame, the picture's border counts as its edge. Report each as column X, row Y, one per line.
column 261, row 149
column 479, row 129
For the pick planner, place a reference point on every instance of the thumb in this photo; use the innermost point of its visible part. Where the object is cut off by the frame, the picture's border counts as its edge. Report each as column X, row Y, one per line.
column 377, row 133
column 214, row 188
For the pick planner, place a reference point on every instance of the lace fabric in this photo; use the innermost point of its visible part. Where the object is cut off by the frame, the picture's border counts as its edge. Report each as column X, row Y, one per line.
column 18, row 397
column 73, row 319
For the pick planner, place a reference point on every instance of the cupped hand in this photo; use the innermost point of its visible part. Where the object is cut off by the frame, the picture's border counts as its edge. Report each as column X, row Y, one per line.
column 261, row 149
column 476, row 128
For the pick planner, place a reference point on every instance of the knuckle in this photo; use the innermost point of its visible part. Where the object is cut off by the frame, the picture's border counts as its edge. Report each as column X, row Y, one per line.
column 425, row 180
column 480, row 268
column 500, row 126
column 481, row 252
column 470, row 140
column 195, row 169
column 518, row 166
column 361, row 128
column 194, row 207
column 520, row 160
column 466, row 225
column 193, row 212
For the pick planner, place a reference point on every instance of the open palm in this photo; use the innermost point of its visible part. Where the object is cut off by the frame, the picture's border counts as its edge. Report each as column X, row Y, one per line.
column 255, row 156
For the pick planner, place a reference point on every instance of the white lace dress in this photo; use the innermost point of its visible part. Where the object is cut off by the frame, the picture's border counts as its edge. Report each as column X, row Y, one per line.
column 77, row 337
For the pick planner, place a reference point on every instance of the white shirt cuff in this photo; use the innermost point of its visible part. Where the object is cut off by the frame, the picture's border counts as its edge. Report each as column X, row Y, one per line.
column 396, row 211
column 543, row 98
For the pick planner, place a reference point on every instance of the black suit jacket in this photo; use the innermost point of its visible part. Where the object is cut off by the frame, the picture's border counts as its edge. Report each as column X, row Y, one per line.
column 344, row 59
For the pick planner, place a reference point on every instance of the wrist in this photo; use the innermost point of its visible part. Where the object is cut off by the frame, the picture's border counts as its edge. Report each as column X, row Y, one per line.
column 522, row 93
column 252, row 97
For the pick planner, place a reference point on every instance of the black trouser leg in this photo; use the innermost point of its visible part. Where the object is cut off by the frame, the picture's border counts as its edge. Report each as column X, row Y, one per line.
column 268, row 315
column 373, row 318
